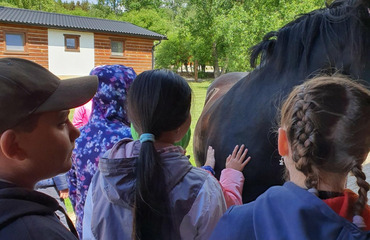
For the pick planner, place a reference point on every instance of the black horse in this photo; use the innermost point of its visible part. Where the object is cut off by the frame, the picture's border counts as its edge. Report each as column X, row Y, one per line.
column 333, row 39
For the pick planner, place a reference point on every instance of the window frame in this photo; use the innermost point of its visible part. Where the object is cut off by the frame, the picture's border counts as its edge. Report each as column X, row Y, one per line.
column 123, row 47
column 77, row 42
column 25, row 45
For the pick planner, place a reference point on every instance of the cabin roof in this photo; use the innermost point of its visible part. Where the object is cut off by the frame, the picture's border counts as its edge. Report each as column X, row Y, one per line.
column 63, row 21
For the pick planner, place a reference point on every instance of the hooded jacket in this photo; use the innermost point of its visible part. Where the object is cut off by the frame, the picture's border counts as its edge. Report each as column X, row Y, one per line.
column 195, row 195
column 107, row 125
column 26, row 214
column 286, row 212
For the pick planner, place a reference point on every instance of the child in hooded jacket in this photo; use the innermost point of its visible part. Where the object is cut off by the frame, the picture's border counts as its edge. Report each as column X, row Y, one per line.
column 147, row 189
column 108, row 124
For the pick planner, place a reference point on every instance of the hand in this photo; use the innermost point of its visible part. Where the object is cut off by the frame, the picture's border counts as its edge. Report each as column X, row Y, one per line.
column 236, row 159
column 210, row 161
column 63, row 194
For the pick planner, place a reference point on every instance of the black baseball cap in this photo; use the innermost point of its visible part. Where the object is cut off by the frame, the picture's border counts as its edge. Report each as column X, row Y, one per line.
column 27, row 88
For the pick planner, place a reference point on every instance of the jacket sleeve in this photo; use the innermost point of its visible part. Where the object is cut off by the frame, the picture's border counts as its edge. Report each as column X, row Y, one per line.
column 86, row 223
column 72, row 182
column 232, row 182
column 207, row 209
column 238, row 223
column 79, row 116
column 36, row 227
column 61, row 182
column 223, row 228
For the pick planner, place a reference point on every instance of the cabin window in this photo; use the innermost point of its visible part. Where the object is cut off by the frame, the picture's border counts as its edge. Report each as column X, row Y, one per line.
column 117, row 47
column 72, row 43
column 15, row 42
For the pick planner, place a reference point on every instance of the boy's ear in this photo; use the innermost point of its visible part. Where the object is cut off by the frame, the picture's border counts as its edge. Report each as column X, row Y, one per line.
column 283, row 144
column 10, row 146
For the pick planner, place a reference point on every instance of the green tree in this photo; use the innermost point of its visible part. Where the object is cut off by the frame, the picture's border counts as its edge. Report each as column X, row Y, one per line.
column 203, row 27
column 44, row 5
column 229, row 28
column 174, row 52
column 140, row 4
column 116, row 5
column 211, row 32
column 155, row 20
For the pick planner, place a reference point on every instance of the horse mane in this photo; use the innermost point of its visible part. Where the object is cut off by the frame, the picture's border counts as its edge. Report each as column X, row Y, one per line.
column 292, row 47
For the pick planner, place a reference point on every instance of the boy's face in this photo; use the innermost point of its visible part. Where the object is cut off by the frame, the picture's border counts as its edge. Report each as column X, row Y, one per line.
column 49, row 146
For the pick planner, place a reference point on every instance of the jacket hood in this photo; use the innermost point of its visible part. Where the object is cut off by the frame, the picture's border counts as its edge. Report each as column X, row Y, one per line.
column 16, row 202
column 117, row 169
column 343, row 206
column 110, row 99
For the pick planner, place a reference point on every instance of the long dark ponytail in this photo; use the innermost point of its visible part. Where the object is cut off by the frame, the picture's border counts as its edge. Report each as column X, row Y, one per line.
column 158, row 101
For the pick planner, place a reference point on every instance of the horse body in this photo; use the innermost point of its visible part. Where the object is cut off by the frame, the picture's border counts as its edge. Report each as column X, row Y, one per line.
column 215, row 92
column 329, row 40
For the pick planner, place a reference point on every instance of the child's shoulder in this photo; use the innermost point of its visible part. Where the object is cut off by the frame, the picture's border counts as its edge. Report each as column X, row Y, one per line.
column 124, row 148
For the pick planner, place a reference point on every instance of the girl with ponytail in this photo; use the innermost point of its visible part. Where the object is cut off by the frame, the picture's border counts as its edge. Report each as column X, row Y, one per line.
column 147, row 189
column 324, row 135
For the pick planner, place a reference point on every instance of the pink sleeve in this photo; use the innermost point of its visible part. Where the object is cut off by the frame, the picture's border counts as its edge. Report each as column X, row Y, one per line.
column 232, row 182
column 82, row 114
column 78, row 117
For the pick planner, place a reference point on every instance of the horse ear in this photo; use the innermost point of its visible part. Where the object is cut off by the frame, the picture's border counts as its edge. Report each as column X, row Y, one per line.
column 283, row 145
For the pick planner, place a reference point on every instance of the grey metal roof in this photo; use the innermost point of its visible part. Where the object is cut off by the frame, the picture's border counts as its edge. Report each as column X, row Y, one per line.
column 56, row 20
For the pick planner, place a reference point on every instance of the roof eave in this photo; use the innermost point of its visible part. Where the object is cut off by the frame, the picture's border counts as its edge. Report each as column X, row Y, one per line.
column 162, row 37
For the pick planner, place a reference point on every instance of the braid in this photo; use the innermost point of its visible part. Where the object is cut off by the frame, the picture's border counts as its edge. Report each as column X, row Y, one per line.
column 303, row 131
column 363, row 189
column 327, row 126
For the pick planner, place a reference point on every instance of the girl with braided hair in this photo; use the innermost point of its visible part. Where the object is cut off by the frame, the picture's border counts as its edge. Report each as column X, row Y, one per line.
column 324, row 135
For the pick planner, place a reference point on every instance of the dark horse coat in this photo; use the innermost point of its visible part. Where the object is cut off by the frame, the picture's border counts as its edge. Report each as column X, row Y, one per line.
column 333, row 39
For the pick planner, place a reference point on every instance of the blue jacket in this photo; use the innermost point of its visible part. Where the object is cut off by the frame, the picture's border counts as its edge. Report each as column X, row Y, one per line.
column 286, row 212
column 59, row 181
column 108, row 124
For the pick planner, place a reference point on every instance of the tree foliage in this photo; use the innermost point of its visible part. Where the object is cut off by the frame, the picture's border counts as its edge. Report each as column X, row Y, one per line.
column 221, row 32
column 154, row 20
column 218, row 33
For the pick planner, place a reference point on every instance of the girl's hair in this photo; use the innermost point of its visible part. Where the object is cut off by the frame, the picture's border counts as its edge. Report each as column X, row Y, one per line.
column 328, row 128
column 158, row 101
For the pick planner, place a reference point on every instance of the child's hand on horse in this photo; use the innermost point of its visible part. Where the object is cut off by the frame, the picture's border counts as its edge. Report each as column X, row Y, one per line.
column 236, row 159
column 210, row 161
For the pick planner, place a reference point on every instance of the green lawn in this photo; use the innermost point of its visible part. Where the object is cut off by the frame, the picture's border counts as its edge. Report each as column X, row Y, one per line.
column 69, row 208
column 199, row 95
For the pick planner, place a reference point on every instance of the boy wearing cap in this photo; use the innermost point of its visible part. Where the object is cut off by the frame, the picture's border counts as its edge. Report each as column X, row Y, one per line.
column 36, row 142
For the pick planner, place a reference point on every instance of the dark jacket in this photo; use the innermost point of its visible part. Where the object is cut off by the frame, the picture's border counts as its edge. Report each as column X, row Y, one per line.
column 286, row 212
column 27, row 214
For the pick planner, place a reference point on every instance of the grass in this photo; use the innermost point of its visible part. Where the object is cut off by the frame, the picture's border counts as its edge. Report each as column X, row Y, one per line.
column 69, row 209
column 199, row 95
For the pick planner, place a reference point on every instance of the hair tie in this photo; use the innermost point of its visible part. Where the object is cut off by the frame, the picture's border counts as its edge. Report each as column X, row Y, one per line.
column 359, row 221
column 145, row 137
